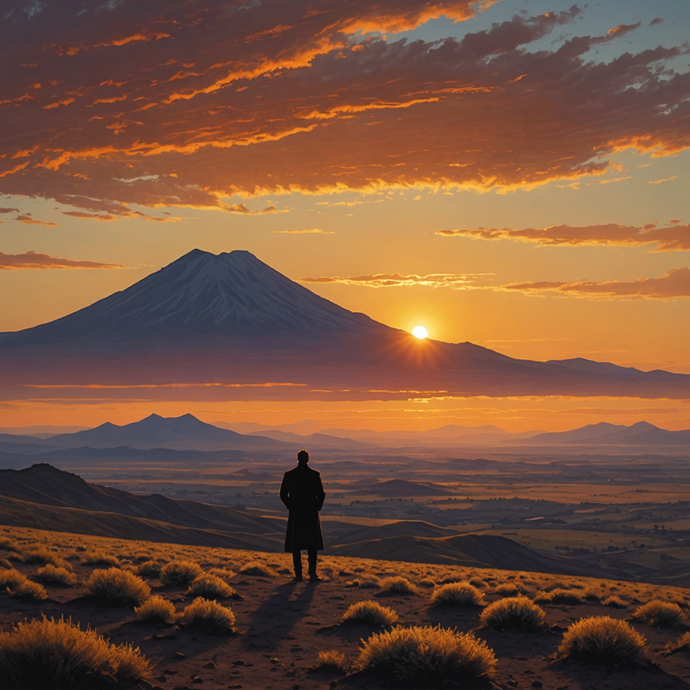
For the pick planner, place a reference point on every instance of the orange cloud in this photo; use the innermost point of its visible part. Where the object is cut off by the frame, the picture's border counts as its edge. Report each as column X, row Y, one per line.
column 673, row 238
column 33, row 260
column 675, row 283
column 201, row 101
column 28, row 219
column 379, row 280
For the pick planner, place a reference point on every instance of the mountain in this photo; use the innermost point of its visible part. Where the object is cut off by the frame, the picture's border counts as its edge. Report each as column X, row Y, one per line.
column 639, row 434
column 229, row 327
column 176, row 433
column 203, row 294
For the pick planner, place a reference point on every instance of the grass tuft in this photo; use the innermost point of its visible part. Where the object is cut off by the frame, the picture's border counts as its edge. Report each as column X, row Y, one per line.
column 614, row 602
column 179, row 573
column 208, row 616
column 256, row 569
column 331, row 662
column 156, row 610
column 513, row 613
column 149, row 569
column 211, row 587
column 57, row 654
column 117, row 587
column 391, row 586
column 428, row 653
column 370, row 613
column 19, row 586
column 601, row 639
column 661, row 614
column 561, row 596
column 56, row 576
column 682, row 644
column 456, row 594
column 41, row 556
column 225, row 574
column 100, row 558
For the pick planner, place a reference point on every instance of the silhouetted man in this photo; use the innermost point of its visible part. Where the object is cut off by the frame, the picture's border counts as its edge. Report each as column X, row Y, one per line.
column 303, row 495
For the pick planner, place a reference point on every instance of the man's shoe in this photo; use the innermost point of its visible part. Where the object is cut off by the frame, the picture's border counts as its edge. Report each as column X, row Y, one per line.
column 297, row 578
column 313, row 577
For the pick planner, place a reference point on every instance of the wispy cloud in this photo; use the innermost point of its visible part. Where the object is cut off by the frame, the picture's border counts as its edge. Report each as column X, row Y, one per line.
column 34, row 260
column 674, row 283
column 189, row 104
column 455, row 281
column 28, row 219
column 670, row 238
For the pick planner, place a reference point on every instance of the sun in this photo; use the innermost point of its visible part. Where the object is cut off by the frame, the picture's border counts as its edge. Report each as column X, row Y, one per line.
column 420, row 332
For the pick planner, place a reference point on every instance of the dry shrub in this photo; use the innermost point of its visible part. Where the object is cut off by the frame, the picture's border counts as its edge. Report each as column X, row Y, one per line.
column 20, row 587
column 256, row 569
column 561, row 596
column 601, row 639
column 427, row 583
column 682, row 644
column 513, row 613
column 614, row 602
column 225, row 574
column 100, row 558
column 179, row 573
column 117, row 587
column 56, row 576
column 211, row 587
column 331, row 662
column 149, row 569
column 659, row 613
column 429, row 653
column 391, row 586
column 370, row 613
column 41, row 556
column 57, row 654
column 507, row 589
column 5, row 564
column 208, row 616
column 9, row 545
column 156, row 610
column 457, row 594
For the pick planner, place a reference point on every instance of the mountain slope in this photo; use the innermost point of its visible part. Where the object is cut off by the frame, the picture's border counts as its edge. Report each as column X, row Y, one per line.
column 202, row 293
column 229, row 327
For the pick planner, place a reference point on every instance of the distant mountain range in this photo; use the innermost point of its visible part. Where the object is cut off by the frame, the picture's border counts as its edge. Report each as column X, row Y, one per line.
column 230, row 327
column 187, row 433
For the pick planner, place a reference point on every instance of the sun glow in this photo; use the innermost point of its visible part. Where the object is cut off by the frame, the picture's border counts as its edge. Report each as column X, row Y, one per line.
column 420, row 332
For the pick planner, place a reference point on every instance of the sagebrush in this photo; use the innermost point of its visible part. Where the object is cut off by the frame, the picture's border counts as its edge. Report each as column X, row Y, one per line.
column 57, row 654
column 428, row 653
column 602, row 639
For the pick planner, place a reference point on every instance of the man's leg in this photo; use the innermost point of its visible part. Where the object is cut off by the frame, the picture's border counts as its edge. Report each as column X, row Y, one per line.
column 297, row 563
column 313, row 555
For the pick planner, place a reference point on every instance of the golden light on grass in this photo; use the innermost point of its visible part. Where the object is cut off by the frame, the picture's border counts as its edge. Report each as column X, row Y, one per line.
column 602, row 639
column 48, row 653
column 370, row 613
column 208, row 616
column 117, row 587
column 420, row 332
column 429, row 653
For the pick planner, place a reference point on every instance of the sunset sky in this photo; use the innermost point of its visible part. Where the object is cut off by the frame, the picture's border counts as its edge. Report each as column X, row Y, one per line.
column 509, row 173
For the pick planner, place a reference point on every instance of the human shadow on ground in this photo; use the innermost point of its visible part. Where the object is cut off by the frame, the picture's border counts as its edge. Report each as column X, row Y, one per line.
column 277, row 616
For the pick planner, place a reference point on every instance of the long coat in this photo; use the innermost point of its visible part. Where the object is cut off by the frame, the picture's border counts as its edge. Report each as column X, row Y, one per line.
column 303, row 495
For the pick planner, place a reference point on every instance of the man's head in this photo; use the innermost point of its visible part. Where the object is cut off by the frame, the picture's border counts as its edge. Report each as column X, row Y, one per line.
column 303, row 457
